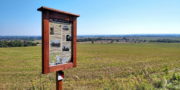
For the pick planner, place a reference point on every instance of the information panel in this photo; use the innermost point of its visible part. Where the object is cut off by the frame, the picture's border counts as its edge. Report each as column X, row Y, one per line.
column 59, row 33
column 60, row 42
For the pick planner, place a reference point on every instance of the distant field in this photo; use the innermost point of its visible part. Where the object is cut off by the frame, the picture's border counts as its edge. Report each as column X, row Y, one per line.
column 141, row 66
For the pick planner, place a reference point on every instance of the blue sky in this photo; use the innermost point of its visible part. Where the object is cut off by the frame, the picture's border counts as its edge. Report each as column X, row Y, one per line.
column 20, row 17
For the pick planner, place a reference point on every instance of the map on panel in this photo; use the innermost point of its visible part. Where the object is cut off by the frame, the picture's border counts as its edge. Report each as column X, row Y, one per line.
column 60, row 39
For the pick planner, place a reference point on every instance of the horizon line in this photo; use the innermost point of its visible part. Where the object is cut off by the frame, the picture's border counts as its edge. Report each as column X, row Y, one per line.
column 105, row 34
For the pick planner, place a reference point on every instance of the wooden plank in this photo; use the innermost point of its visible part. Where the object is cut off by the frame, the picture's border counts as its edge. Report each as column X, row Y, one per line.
column 74, row 41
column 45, row 42
column 58, row 11
column 61, row 67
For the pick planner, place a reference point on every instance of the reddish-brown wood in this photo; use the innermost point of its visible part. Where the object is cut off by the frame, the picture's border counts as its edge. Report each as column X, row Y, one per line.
column 59, row 83
column 43, row 8
column 61, row 67
column 74, row 41
column 45, row 42
column 49, row 13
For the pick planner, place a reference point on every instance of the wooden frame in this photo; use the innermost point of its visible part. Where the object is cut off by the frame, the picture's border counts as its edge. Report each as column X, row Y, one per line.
column 49, row 13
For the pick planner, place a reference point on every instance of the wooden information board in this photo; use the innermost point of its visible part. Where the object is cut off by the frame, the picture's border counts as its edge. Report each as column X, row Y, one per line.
column 58, row 40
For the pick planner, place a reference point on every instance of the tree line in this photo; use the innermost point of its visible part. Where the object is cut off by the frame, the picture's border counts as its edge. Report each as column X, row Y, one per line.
column 126, row 39
column 17, row 43
column 166, row 41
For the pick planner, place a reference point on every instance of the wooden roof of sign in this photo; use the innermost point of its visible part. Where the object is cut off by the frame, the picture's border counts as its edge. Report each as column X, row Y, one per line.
column 58, row 11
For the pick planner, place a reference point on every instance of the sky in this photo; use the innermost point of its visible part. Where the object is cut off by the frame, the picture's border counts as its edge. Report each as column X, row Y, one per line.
column 97, row 17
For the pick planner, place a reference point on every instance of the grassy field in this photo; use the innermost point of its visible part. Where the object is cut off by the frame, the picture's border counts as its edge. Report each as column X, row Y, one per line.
column 147, row 66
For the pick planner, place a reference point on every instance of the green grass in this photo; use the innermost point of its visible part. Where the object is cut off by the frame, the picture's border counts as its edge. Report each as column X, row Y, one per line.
column 100, row 67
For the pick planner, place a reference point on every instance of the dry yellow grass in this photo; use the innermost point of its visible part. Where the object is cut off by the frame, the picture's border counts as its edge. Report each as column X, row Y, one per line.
column 100, row 67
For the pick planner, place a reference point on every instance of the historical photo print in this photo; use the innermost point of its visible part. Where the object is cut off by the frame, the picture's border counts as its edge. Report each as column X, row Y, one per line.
column 55, row 43
column 52, row 30
column 65, row 27
column 68, row 38
column 65, row 48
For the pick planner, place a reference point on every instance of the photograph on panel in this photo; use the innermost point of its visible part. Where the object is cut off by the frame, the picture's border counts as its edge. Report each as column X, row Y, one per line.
column 55, row 43
column 68, row 38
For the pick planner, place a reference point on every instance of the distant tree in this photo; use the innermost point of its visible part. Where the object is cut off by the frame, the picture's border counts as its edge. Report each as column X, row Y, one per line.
column 92, row 41
column 125, row 39
column 117, row 40
column 112, row 41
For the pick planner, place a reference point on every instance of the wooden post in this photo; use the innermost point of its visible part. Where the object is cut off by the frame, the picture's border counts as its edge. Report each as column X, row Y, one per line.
column 59, row 80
